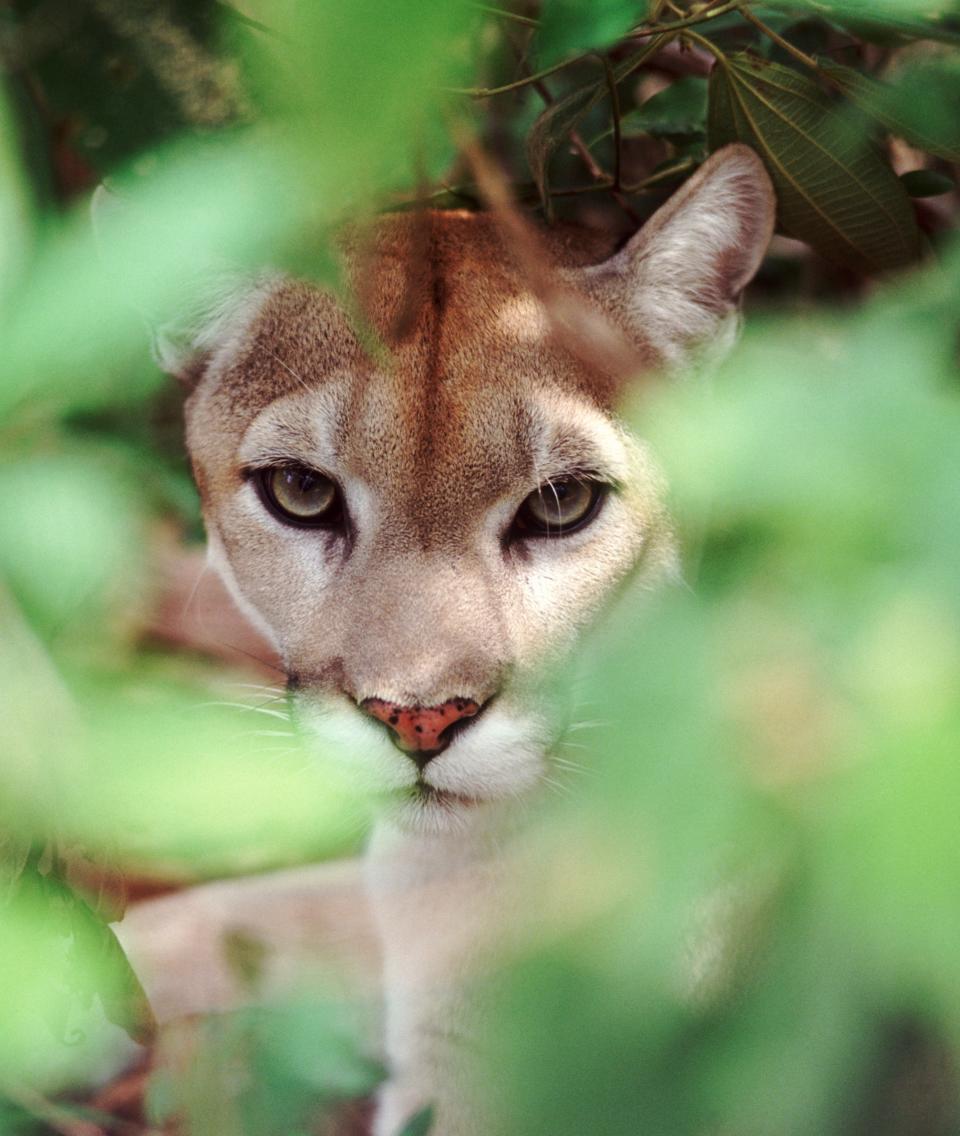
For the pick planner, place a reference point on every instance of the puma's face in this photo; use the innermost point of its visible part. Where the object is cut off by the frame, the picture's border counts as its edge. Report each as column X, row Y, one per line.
column 421, row 530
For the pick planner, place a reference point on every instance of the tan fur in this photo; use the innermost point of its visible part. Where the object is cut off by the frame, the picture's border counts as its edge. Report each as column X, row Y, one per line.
column 435, row 442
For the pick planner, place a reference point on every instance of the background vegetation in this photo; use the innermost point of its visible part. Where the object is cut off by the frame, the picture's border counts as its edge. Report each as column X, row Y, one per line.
column 791, row 743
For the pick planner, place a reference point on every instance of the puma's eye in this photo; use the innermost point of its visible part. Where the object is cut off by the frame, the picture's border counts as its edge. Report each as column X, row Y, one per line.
column 559, row 506
column 299, row 495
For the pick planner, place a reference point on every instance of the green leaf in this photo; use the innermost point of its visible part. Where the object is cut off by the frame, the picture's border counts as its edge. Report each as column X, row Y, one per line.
column 922, row 105
column 889, row 22
column 559, row 119
column 114, row 82
column 569, row 26
column 553, row 127
column 419, row 1124
column 927, row 183
column 16, row 219
column 678, row 110
column 834, row 189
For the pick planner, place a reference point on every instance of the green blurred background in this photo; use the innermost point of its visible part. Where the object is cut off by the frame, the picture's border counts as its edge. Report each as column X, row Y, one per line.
column 787, row 776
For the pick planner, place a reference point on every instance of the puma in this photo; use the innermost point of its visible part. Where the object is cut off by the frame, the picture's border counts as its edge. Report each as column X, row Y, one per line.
column 421, row 532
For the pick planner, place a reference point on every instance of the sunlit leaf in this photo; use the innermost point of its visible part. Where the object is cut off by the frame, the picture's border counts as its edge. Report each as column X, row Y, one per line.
column 54, row 969
column 69, row 539
column 834, row 189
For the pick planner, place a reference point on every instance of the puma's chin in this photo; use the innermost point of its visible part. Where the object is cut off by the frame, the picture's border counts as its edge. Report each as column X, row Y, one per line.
column 428, row 810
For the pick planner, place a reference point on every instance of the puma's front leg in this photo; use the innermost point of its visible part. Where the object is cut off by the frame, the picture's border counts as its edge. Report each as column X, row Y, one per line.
column 438, row 902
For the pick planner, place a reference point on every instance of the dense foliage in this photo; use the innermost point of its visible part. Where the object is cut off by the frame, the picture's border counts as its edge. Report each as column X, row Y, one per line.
column 793, row 717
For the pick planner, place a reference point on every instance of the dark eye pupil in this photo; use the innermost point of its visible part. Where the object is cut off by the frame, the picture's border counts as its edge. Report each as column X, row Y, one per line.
column 298, row 494
column 559, row 506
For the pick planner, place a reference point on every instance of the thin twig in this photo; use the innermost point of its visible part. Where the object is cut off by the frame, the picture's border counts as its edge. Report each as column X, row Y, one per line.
column 687, row 21
column 640, row 32
column 661, row 176
column 583, row 150
column 502, row 12
column 581, row 328
column 486, row 92
column 615, row 115
column 53, row 1116
column 806, row 60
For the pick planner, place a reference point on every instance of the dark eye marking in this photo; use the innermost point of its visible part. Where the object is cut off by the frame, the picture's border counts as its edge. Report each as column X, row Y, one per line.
column 560, row 506
column 299, row 496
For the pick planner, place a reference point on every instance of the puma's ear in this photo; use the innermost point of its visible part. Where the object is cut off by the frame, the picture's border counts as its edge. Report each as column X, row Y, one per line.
column 201, row 306
column 674, row 283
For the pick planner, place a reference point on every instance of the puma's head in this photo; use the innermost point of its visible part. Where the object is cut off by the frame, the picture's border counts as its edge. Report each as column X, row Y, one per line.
column 420, row 529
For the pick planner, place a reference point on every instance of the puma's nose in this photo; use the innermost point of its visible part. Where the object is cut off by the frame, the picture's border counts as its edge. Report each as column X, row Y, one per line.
column 421, row 731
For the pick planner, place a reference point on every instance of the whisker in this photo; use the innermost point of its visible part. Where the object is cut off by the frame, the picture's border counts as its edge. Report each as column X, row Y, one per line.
column 589, row 724
column 300, row 379
column 263, row 688
column 571, row 766
column 246, row 706
column 557, row 786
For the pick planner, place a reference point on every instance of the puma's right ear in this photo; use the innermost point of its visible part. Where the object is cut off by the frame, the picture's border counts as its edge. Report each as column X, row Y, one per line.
column 204, row 308
column 674, row 283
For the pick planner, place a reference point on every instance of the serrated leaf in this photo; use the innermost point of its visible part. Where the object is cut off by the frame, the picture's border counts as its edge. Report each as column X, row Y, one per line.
column 922, row 105
column 834, row 189
column 569, row 26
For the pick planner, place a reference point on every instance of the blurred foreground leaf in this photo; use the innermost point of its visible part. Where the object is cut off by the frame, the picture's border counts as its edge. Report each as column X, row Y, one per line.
column 568, row 26
column 760, row 875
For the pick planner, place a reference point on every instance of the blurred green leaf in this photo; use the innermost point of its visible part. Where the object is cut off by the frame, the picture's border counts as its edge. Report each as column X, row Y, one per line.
column 215, row 787
column 53, row 971
column 308, row 1055
column 419, row 1124
column 16, row 214
column 567, row 26
column 888, row 22
column 116, row 79
column 834, row 189
column 70, row 539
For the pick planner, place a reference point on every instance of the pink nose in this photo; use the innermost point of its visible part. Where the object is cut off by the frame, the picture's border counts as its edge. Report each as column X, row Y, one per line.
column 419, row 730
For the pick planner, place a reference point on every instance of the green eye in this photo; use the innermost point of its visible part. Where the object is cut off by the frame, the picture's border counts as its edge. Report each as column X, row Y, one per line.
column 559, row 506
column 299, row 495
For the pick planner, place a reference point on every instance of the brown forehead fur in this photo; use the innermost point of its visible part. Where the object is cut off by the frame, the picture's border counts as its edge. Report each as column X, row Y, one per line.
column 444, row 402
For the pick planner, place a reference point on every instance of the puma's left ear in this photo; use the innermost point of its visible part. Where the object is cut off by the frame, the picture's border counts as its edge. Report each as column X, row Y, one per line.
column 676, row 280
